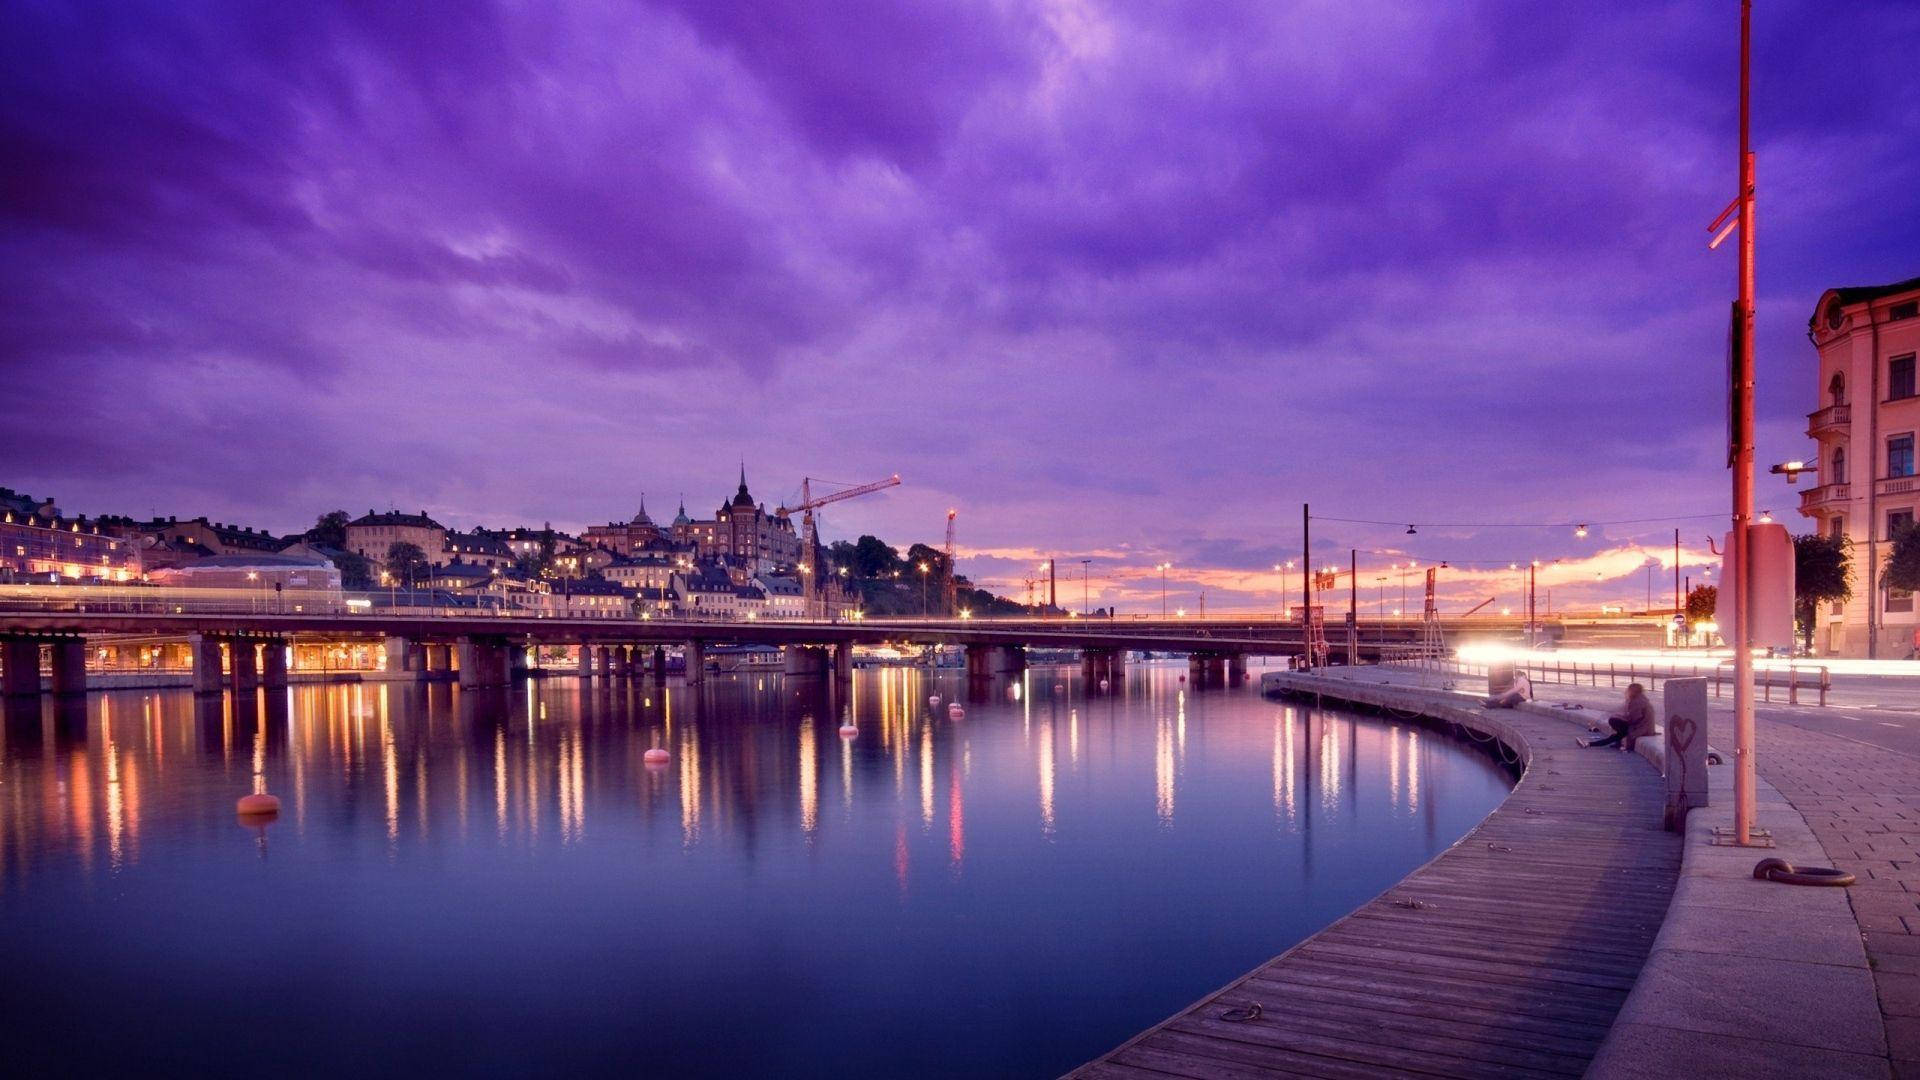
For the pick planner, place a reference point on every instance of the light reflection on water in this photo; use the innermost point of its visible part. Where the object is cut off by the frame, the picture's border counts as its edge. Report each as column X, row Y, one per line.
column 496, row 882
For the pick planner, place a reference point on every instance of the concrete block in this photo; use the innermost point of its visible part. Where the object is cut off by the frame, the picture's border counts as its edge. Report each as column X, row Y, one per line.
column 1684, row 722
column 1636, row 1051
column 1822, row 1006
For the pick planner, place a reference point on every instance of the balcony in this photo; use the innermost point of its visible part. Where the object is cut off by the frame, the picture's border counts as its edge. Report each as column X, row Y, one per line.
column 1897, row 485
column 1833, row 418
column 1824, row 496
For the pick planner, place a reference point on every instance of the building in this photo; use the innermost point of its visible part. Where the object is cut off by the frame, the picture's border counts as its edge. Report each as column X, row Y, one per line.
column 742, row 531
column 785, row 597
column 480, row 548
column 626, row 537
column 1867, row 338
column 371, row 536
column 38, row 544
column 647, row 570
column 216, row 537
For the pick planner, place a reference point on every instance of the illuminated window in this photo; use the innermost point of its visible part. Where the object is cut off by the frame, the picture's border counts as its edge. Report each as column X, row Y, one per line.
column 1900, row 377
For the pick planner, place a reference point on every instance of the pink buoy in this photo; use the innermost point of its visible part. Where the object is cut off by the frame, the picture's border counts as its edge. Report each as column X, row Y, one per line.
column 934, row 700
column 848, row 731
column 257, row 805
column 1104, row 684
column 656, row 756
column 955, row 712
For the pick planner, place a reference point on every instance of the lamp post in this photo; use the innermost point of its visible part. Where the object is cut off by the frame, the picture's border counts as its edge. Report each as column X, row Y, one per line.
column 923, row 590
column 1163, row 588
column 1085, row 570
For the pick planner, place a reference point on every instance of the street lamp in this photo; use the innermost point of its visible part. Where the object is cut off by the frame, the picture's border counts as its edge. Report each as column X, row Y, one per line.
column 923, row 590
column 1084, row 572
column 1163, row 587
column 1791, row 470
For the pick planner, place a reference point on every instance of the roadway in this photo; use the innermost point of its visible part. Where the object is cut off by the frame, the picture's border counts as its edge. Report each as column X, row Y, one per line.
column 1257, row 636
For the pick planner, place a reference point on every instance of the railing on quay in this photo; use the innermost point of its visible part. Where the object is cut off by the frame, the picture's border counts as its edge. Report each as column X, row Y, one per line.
column 1796, row 677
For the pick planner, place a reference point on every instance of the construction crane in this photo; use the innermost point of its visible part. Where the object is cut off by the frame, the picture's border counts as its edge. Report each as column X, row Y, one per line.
column 809, row 572
column 952, row 603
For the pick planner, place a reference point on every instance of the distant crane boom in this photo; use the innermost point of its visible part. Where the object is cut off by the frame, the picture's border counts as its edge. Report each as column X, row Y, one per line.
column 807, row 505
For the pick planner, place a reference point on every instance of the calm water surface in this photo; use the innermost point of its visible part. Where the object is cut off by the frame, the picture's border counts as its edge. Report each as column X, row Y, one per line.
column 495, row 883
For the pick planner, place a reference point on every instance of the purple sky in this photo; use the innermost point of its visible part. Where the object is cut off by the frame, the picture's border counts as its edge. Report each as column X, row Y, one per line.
column 1125, row 280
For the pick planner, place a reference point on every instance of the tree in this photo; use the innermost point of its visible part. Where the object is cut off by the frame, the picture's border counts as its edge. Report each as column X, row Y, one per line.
column 1702, row 601
column 1903, row 565
column 405, row 562
column 1821, row 572
column 539, row 563
column 874, row 558
column 330, row 530
column 356, row 570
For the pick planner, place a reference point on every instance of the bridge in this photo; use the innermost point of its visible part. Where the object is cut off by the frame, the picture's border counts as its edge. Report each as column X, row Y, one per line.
column 247, row 648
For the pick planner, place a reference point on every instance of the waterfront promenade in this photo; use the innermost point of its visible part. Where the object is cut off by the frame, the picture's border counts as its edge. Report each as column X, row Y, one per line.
column 1544, row 942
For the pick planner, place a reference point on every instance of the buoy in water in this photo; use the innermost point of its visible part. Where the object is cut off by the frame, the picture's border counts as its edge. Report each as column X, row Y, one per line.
column 934, row 700
column 955, row 712
column 656, row 756
column 258, row 804
column 1104, row 684
column 848, row 731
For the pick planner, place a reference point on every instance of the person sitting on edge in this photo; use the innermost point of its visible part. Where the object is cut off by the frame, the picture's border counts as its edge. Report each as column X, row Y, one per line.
column 1516, row 692
column 1632, row 723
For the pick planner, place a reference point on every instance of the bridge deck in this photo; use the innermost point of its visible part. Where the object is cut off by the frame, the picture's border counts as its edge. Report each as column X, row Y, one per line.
column 1506, row 956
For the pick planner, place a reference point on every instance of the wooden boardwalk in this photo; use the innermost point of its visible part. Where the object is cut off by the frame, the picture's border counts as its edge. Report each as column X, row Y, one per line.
column 1506, row 956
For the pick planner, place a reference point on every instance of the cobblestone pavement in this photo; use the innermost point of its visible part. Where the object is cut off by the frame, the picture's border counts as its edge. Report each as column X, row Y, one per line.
column 1863, row 804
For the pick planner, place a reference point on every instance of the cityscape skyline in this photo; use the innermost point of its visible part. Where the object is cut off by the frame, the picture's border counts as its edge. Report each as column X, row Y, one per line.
column 1091, row 256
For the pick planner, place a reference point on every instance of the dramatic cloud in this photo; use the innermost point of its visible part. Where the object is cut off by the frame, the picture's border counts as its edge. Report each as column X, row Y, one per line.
column 1121, row 281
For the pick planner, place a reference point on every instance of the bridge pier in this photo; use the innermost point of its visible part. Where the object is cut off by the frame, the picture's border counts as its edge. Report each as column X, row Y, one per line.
column 843, row 661
column 273, row 664
column 406, row 657
column 204, row 653
column 439, row 659
column 1206, row 669
column 621, row 663
column 809, row 661
column 603, row 660
column 986, row 661
column 1236, row 668
column 519, row 661
column 243, row 664
column 696, row 663
column 1109, row 664
column 583, row 663
column 69, row 665
column 659, row 663
column 20, row 666
column 483, row 662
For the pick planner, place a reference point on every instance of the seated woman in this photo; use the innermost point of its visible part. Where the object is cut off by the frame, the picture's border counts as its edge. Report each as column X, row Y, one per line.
column 1633, row 723
column 1521, row 689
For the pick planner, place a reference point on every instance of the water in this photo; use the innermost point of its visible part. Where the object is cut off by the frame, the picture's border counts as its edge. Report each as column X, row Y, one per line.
column 494, row 883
